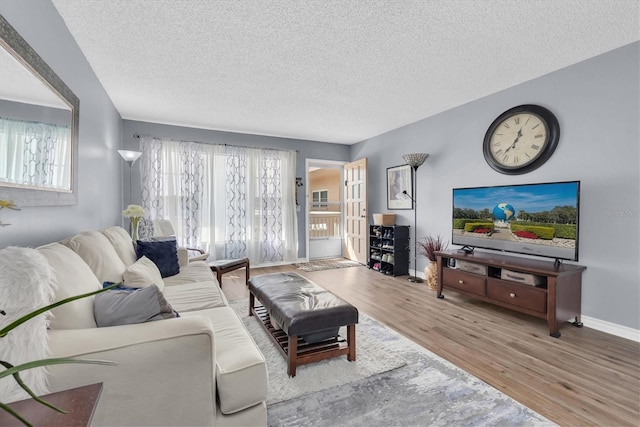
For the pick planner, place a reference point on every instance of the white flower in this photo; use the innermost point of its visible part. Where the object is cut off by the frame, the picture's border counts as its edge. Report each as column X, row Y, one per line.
column 133, row 211
column 9, row 205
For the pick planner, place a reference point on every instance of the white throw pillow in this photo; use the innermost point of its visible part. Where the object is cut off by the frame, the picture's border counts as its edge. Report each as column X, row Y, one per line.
column 122, row 243
column 142, row 274
column 71, row 276
column 99, row 254
column 24, row 287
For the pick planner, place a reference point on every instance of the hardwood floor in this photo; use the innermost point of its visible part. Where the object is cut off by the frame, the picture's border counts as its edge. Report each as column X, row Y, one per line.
column 584, row 378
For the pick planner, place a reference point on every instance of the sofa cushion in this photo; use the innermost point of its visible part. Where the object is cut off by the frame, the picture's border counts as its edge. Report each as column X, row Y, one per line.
column 195, row 296
column 126, row 306
column 241, row 370
column 96, row 250
column 143, row 273
column 193, row 272
column 70, row 276
column 122, row 243
column 163, row 253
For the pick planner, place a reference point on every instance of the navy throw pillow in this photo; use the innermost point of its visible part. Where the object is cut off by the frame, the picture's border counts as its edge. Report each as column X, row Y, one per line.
column 164, row 254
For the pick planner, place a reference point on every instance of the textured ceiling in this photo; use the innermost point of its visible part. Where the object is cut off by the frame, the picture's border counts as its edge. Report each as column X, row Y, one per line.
column 337, row 71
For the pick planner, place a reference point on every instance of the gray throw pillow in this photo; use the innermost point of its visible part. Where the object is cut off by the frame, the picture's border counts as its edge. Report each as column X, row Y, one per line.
column 124, row 306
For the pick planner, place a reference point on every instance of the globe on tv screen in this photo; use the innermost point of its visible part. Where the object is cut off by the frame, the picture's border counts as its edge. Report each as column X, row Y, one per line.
column 534, row 219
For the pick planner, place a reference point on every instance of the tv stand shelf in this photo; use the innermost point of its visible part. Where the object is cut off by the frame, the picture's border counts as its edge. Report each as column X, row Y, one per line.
column 556, row 298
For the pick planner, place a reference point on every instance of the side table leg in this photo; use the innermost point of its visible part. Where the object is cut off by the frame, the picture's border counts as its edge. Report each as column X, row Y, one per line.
column 246, row 273
column 219, row 276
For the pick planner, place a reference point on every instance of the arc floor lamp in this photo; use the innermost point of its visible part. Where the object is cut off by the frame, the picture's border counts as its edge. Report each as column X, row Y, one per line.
column 415, row 160
column 130, row 157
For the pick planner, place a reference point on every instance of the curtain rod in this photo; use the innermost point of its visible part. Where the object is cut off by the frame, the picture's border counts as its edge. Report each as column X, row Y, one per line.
column 138, row 136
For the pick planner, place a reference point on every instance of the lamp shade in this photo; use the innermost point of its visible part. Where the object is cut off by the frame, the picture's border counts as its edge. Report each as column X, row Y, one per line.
column 130, row 156
column 415, row 159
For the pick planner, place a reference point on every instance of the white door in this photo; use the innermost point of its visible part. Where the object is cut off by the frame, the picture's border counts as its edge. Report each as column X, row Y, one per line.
column 355, row 203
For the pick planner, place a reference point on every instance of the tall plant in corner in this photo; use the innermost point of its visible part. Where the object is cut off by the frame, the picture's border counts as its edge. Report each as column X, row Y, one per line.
column 11, row 370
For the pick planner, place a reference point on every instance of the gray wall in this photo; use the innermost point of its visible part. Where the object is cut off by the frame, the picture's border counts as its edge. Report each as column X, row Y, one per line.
column 306, row 150
column 34, row 113
column 596, row 102
column 597, row 105
column 100, row 173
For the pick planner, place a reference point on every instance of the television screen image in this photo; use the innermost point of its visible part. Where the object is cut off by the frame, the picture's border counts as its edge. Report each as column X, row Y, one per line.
column 535, row 219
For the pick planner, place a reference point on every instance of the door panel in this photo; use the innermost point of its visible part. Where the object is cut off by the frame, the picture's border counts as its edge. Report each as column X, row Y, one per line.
column 355, row 201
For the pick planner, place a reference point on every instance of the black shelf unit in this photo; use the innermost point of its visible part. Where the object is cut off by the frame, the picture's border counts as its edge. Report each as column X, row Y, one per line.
column 389, row 249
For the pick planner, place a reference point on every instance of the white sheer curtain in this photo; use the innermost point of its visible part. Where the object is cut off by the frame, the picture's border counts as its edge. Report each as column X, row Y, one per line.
column 231, row 201
column 35, row 153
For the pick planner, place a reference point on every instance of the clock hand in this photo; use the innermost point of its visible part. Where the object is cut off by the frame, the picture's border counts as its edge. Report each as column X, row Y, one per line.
column 514, row 142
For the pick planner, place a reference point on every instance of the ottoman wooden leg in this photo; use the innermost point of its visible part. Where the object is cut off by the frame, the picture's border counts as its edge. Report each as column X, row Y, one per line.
column 251, row 302
column 351, row 342
column 292, row 352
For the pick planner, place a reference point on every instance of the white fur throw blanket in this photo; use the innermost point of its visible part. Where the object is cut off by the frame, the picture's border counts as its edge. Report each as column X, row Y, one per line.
column 24, row 287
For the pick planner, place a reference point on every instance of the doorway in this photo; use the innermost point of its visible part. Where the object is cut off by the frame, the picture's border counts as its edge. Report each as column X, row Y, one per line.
column 336, row 199
column 325, row 217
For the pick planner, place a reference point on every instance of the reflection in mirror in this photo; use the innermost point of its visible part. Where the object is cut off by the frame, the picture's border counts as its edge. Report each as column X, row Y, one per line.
column 38, row 128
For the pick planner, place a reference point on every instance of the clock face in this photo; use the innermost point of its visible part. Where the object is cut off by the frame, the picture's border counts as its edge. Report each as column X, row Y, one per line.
column 521, row 139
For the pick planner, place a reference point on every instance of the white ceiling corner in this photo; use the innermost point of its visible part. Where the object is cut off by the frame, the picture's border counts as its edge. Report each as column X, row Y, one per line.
column 339, row 71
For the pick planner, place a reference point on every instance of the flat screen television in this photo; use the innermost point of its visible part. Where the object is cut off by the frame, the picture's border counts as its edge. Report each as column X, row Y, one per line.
column 534, row 219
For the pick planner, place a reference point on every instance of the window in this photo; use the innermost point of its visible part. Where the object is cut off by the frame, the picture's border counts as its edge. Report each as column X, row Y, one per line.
column 230, row 201
column 320, row 198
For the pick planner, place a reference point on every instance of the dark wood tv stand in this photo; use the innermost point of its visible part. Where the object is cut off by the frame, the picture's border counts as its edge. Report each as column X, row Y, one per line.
column 557, row 298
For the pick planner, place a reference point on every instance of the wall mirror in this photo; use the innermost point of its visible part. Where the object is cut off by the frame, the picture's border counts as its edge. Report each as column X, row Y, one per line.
column 38, row 128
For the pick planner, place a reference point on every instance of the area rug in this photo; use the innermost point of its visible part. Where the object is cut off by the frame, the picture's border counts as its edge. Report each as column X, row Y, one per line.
column 372, row 357
column 326, row 264
column 427, row 391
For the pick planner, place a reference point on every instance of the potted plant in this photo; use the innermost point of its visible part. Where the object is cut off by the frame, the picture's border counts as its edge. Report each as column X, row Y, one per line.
column 14, row 370
column 428, row 246
column 11, row 370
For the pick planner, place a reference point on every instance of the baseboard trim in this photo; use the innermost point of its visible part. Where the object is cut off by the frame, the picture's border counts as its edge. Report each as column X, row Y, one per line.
column 611, row 328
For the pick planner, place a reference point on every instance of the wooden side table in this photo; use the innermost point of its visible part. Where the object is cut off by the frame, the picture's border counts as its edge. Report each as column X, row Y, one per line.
column 226, row 265
column 80, row 404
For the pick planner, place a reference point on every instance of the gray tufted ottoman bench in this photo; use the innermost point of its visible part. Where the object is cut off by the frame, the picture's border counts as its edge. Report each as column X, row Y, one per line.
column 302, row 318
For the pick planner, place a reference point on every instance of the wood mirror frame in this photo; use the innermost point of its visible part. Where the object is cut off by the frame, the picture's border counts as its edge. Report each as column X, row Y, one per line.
column 15, row 45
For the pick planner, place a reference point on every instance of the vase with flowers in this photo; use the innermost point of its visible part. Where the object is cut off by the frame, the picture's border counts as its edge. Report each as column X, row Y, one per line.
column 428, row 246
column 134, row 213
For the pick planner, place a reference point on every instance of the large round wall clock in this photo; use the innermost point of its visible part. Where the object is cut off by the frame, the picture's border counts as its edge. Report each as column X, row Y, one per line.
column 521, row 139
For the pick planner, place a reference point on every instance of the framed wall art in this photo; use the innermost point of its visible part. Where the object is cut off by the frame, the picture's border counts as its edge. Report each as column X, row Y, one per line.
column 399, row 180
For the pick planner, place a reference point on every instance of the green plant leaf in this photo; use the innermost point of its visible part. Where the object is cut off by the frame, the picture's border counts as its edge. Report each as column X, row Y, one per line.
column 14, row 370
column 26, row 388
column 52, row 361
column 15, row 414
column 20, row 321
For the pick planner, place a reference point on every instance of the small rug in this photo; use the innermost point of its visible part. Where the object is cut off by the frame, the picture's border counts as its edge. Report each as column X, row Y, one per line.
column 427, row 391
column 326, row 264
column 372, row 357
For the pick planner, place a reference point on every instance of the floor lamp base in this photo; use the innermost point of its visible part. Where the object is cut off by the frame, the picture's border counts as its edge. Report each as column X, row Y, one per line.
column 414, row 279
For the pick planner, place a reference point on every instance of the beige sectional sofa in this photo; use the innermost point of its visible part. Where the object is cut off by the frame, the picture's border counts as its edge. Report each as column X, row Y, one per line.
column 202, row 368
